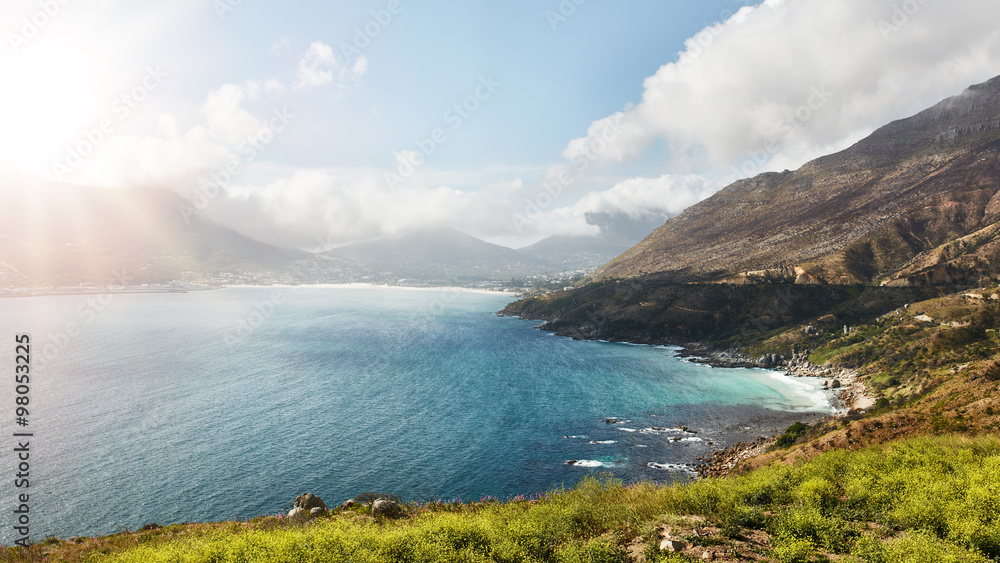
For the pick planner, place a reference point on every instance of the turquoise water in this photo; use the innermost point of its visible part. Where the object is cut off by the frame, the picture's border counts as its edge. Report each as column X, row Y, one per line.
column 229, row 403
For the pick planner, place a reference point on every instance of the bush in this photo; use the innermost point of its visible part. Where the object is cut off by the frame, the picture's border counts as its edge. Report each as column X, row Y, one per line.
column 832, row 534
column 914, row 548
column 789, row 549
column 817, row 492
column 791, row 435
column 594, row 551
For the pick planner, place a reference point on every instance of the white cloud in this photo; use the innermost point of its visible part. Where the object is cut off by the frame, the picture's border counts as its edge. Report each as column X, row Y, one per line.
column 175, row 160
column 319, row 66
column 227, row 120
column 640, row 198
column 313, row 208
column 793, row 79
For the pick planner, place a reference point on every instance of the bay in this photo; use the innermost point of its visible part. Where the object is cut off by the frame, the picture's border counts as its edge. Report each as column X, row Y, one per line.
column 227, row 404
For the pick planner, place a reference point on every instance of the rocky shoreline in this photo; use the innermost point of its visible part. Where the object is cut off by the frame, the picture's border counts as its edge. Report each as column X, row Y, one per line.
column 844, row 388
column 723, row 461
column 846, row 392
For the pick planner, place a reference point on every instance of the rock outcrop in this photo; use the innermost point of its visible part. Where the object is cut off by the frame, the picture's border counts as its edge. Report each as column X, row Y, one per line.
column 385, row 508
column 309, row 501
column 307, row 506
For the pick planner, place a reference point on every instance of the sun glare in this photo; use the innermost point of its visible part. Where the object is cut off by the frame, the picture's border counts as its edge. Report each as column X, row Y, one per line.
column 51, row 104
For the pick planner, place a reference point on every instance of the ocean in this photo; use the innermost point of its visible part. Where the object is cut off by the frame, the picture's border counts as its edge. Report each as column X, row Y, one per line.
column 226, row 404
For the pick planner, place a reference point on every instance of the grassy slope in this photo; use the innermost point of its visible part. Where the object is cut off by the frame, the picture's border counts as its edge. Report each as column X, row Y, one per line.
column 925, row 499
column 930, row 377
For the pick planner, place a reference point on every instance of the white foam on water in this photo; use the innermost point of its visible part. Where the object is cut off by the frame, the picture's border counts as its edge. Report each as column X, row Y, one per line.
column 604, row 441
column 813, row 393
column 627, row 429
column 590, row 463
column 671, row 467
column 660, row 430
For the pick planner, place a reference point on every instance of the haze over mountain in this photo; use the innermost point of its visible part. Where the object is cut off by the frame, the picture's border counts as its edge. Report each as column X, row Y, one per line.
column 448, row 256
column 916, row 202
column 61, row 235
column 65, row 235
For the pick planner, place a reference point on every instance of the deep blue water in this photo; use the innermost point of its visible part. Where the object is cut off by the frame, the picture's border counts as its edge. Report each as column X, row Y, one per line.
column 227, row 404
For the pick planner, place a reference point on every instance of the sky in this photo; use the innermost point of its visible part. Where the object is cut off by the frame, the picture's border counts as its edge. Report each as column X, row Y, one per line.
column 312, row 124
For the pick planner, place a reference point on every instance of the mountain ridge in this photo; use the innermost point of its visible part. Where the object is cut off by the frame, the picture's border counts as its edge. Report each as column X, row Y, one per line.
column 855, row 216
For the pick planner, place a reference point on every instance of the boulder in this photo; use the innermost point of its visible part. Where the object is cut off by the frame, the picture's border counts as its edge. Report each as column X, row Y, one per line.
column 308, row 502
column 316, row 511
column 835, row 384
column 385, row 508
column 349, row 503
column 672, row 545
column 297, row 512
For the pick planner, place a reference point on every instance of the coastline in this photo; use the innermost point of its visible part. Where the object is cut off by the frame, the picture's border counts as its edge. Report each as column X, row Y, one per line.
column 845, row 392
column 358, row 285
column 844, row 386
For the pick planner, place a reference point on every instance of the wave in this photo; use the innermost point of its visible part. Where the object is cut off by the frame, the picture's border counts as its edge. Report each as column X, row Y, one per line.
column 813, row 393
column 671, row 467
column 588, row 463
column 662, row 430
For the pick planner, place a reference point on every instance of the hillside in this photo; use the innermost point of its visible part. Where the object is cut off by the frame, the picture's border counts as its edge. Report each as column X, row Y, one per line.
column 921, row 500
column 575, row 252
column 448, row 256
column 62, row 235
column 887, row 210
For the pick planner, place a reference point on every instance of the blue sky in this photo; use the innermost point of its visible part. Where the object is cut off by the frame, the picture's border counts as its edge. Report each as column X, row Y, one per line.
column 556, row 75
column 565, row 107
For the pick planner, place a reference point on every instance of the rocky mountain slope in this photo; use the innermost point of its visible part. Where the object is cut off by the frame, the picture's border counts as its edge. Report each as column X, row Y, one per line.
column 914, row 203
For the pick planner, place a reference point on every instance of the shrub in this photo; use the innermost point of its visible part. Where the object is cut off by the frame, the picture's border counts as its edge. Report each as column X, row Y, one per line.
column 831, row 534
column 791, row 435
column 595, row 551
column 790, row 549
column 817, row 492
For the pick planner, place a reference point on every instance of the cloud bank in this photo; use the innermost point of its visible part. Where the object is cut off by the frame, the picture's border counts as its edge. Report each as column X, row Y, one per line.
column 805, row 77
column 771, row 87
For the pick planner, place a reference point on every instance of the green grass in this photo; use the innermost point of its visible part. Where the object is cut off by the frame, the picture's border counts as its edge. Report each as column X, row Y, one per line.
column 924, row 499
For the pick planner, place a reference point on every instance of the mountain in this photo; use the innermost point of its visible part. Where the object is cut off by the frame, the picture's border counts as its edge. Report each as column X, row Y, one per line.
column 63, row 235
column 437, row 255
column 915, row 203
column 575, row 252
